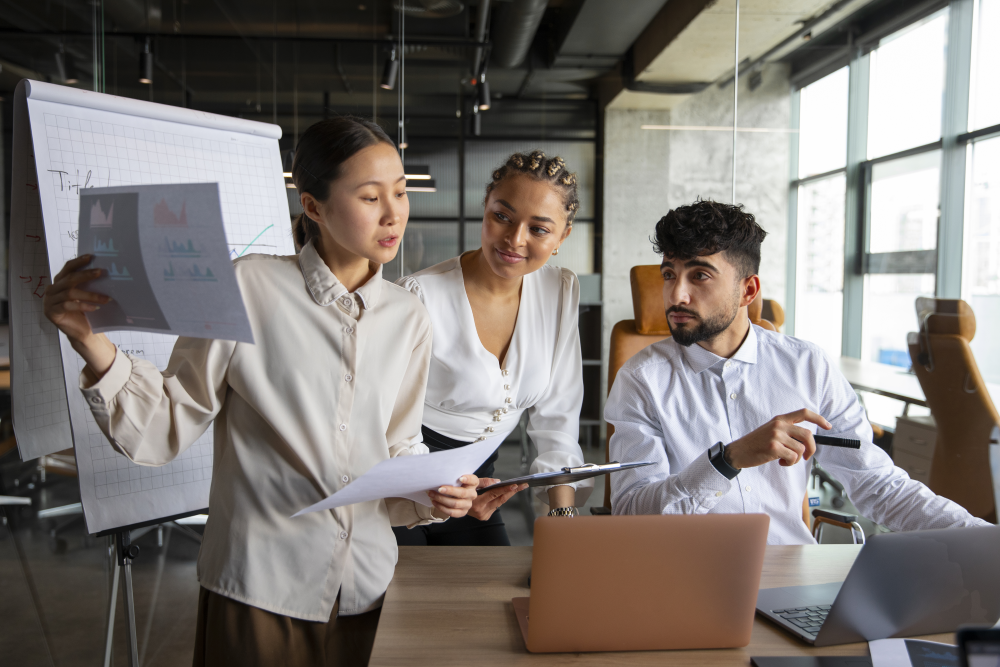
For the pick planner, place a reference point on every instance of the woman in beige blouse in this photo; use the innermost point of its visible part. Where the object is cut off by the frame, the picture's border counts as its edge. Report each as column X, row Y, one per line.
column 333, row 384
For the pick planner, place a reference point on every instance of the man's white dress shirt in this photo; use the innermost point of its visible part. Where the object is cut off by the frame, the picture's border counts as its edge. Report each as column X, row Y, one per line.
column 671, row 403
column 470, row 396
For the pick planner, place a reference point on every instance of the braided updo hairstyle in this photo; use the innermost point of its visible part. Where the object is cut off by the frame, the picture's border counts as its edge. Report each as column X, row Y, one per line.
column 541, row 168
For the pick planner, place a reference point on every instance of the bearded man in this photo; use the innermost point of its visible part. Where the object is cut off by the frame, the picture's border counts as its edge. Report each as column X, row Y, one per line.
column 728, row 410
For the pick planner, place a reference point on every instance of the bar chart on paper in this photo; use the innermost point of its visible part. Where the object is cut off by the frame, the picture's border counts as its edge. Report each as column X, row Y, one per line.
column 80, row 140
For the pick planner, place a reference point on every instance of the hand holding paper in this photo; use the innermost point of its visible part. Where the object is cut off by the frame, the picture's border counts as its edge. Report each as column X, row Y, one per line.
column 410, row 476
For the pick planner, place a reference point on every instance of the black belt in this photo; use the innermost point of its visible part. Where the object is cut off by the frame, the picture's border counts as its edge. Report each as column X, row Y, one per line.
column 437, row 442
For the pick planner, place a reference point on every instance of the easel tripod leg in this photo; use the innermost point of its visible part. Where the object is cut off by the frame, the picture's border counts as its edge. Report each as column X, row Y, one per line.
column 126, row 552
column 112, row 603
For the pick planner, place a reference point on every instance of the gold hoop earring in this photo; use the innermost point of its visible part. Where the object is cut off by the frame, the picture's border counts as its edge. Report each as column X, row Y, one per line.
column 556, row 251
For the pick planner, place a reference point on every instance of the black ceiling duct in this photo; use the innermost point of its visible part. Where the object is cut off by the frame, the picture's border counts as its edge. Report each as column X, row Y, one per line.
column 514, row 29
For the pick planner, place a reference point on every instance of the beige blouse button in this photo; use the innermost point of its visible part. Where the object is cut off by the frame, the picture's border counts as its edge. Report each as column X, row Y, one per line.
column 96, row 399
column 345, row 479
column 346, row 301
column 718, row 494
column 348, row 377
column 343, row 427
column 343, row 534
column 349, row 330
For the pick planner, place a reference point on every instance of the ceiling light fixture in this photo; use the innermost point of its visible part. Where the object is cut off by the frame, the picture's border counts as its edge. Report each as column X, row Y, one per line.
column 417, row 172
column 146, row 64
column 716, row 128
column 424, row 186
column 483, row 93
column 66, row 67
column 389, row 72
column 286, row 174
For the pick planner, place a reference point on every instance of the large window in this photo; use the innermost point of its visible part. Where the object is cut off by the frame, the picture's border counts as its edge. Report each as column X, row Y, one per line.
column 981, row 262
column 907, row 87
column 886, row 163
column 820, row 190
column 981, row 284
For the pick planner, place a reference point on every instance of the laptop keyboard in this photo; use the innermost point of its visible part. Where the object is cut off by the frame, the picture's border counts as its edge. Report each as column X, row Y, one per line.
column 807, row 619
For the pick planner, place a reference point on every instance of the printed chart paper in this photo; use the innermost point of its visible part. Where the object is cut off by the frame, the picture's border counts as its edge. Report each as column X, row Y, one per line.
column 410, row 476
column 912, row 653
column 167, row 265
column 67, row 142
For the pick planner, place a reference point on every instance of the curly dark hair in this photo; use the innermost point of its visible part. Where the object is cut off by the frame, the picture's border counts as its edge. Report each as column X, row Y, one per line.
column 707, row 227
column 551, row 170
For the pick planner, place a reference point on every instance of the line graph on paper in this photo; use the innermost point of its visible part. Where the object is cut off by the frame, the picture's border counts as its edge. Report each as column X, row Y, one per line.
column 82, row 149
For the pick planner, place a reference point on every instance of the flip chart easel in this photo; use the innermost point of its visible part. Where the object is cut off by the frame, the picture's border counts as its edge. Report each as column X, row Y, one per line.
column 67, row 140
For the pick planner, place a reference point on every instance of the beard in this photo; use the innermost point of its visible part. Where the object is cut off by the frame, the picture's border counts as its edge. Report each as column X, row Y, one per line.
column 706, row 328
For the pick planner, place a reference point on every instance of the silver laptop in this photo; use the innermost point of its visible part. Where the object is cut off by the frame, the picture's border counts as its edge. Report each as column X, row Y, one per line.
column 901, row 585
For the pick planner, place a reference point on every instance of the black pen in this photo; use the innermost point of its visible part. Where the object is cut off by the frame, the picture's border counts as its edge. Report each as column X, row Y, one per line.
column 831, row 441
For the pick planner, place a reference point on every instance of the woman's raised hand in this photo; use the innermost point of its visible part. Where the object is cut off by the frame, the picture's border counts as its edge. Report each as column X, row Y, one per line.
column 489, row 501
column 454, row 501
column 66, row 305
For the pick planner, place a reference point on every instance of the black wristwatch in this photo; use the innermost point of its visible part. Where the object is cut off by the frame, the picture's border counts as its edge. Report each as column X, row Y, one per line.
column 717, row 455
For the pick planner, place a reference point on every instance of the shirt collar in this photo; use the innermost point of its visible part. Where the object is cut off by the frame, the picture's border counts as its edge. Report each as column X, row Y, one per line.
column 701, row 359
column 325, row 288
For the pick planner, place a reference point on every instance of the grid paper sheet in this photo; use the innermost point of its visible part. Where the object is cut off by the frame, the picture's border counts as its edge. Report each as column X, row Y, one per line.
column 76, row 147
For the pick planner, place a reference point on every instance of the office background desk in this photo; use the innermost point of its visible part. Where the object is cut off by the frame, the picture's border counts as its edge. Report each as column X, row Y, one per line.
column 451, row 606
column 892, row 381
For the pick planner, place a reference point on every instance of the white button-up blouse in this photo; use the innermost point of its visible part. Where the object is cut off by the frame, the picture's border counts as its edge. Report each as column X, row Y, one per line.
column 470, row 396
column 333, row 384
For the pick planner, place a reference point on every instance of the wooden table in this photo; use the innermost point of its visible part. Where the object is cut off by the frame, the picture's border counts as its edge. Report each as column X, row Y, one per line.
column 451, row 606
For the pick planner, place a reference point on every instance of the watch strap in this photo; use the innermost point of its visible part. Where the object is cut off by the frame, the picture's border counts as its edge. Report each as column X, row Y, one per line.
column 563, row 511
column 717, row 455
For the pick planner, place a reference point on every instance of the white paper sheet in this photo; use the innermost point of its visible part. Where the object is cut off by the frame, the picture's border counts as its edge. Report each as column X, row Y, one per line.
column 410, row 476
column 168, row 270
column 77, row 140
column 912, row 653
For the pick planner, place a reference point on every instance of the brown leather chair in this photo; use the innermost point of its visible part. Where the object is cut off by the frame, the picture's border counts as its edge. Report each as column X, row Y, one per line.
column 628, row 337
column 773, row 313
column 959, row 401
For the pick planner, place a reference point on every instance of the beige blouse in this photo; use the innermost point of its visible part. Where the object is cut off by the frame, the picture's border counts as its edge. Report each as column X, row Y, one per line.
column 333, row 384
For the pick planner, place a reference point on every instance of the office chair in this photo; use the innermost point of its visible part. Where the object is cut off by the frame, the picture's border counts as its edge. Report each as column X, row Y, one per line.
column 772, row 311
column 959, row 401
column 995, row 465
column 628, row 337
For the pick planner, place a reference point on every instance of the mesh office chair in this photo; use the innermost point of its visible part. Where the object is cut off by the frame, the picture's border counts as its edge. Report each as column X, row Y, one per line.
column 959, row 401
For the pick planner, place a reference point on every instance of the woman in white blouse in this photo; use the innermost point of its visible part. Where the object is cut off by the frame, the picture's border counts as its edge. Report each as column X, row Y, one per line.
column 506, row 341
column 333, row 383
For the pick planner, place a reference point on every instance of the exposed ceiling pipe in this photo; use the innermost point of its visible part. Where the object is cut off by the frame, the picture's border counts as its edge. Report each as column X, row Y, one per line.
column 482, row 16
column 514, row 29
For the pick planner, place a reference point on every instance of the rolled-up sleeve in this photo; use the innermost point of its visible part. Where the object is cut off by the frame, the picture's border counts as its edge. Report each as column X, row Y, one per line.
column 554, row 420
column 639, row 436
column 152, row 417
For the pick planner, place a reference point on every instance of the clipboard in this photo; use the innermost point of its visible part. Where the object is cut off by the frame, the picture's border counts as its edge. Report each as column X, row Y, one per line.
column 568, row 475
